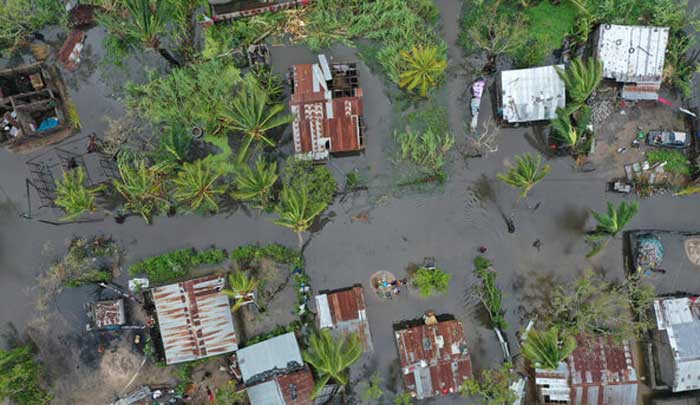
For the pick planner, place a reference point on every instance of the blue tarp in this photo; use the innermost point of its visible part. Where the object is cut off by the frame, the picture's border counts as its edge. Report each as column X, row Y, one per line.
column 47, row 124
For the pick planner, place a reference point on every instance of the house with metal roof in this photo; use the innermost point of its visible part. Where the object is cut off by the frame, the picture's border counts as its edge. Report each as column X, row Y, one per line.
column 228, row 10
column 343, row 311
column 598, row 372
column 533, row 94
column 433, row 355
column 326, row 102
column 274, row 372
column 194, row 319
column 677, row 343
column 633, row 55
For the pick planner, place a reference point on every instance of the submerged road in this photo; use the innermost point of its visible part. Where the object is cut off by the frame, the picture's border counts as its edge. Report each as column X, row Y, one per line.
column 403, row 228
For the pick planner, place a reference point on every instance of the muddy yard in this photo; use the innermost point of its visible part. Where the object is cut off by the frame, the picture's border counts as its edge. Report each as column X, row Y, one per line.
column 397, row 228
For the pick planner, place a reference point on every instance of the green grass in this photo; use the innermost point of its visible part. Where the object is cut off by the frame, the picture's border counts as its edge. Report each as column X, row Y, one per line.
column 548, row 25
column 676, row 162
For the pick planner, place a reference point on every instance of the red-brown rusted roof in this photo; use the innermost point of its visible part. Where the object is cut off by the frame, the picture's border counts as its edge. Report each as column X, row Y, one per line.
column 440, row 351
column 345, row 305
column 313, row 120
column 69, row 54
column 296, row 387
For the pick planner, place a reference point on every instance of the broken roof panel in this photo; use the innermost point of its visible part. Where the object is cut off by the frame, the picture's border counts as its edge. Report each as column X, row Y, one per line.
column 531, row 94
column 295, row 388
column 434, row 359
column 108, row 314
column 263, row 360
column 195, row 319
column 344, row 311
column 632, row 53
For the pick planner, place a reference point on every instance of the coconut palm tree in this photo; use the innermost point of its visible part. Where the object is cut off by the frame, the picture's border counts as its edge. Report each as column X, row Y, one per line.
column 610, row 224
column 142, row 187
column 297, row 211
column 331, row 358
column 241, row 286
column 527, row 172
column 251, row 113
column 581, row 79
column 142, row 22
column 547, row 348
column 423, row 67
column 72, row 195
column 196, row 184
column 255, row 183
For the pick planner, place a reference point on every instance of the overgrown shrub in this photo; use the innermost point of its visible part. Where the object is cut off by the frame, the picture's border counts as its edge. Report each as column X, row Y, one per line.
column 676, row 162
column 176, row 264
column 432, row 281
column 318, row 180
column 427, row 150
column 489, row 293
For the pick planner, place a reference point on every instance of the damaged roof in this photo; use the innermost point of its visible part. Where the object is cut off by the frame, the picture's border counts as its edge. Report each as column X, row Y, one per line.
column 434, row 359
column 531, row 94
column 632, row 53
column 324, row 122
column 195, row 319
column 294, row 388
column 679, row 319
column 271, row 357
column 106, row 314
column 344, row 311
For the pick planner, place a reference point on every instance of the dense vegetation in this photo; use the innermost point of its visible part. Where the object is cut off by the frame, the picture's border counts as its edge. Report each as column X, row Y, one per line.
column 176, row 264
column 20, row 377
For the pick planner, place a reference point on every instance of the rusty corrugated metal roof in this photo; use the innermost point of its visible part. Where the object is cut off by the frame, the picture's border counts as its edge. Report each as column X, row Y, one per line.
column 434, row 359
column 195, row 319
column 344, row 311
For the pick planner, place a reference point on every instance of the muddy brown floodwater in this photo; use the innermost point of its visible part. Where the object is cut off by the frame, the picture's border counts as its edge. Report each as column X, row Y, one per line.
column 449, row 223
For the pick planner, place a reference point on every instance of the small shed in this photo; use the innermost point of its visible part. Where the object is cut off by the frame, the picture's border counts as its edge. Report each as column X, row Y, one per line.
column 106, row 315
column 677, row 342
column 194, row 318
column 633, row 55
column 434, row 358
column 343, row 311
column 532, row 94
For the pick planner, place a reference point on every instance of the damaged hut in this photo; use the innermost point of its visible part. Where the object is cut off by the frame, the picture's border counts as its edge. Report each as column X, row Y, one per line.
column 274, row 372
column 343, row 311
column 600, row 371
column 634, row 56
column 194, row 319
column 677, row 343
column 327, row 105
column 433, row 354
column 32, row 107
column 527, row 95
column 106, row 315
column 228, row 10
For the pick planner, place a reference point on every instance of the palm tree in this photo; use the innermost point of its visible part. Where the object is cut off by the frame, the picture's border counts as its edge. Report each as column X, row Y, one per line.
column 142, row 187
column 73, row 196
column 250, row 112
column 547, row 348
column 196, row 184
column 527, row 172
column 332, row 358
column 142, row 22
column 241, row 287
column 610, row 224
column 423, row 67
column 581, row 78
column 297, row 211
column 255, row 183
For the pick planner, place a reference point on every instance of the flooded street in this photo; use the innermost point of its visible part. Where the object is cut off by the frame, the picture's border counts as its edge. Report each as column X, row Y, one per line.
column 449, row 223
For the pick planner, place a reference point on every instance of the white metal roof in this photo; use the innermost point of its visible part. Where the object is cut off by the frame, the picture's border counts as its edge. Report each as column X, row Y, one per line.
column 680, row 319
column 632, row 53
column 195, row 319
column 276, row 354
column 531, row 94
column 324, row 311
column 267, row 393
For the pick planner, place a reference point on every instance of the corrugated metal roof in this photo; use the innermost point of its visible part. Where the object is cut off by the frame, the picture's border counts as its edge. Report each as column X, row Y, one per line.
column 434, row 359
column 344, row 311
column 195, row 319
column 632, row 53
column 294, row 388
column 263, row 360
column 266, row 393
column 679, row 318
column 531, row 94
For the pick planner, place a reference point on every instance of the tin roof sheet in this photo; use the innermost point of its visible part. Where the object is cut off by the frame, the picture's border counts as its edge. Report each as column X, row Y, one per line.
column 344, row 311
column 531, row 94
column 632, row 53
column 266, row 393
column 263, row 360
column 297, row 387
column 434, row 359
column 679, row 318
column 195, row 319
column 600, row 361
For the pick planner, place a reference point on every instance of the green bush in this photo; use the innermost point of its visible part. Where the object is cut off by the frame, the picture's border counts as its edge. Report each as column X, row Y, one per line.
column 676, row 162
column 249, row 255
column 318, row 180
column 176, row 264
column 431, row 282
column 89, row 277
